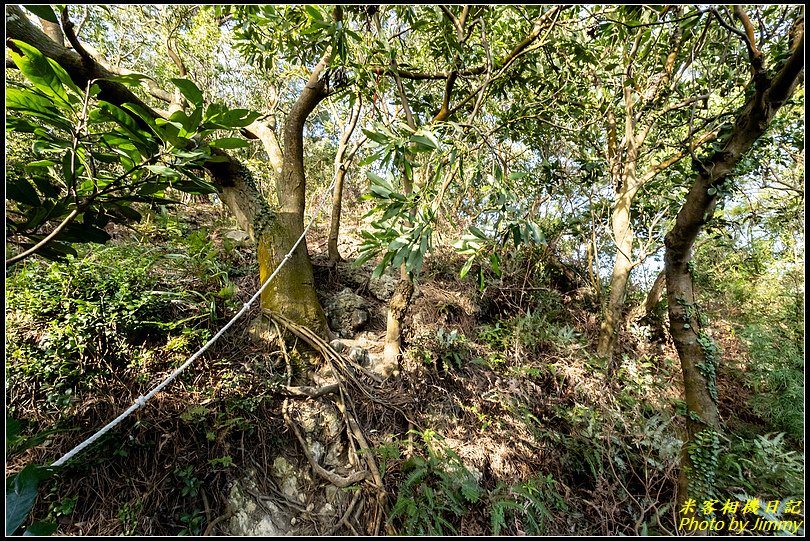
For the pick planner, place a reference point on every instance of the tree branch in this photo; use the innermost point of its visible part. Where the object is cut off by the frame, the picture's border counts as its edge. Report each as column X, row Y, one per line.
column 750, row 41
column 675, row 158
column 34, row 249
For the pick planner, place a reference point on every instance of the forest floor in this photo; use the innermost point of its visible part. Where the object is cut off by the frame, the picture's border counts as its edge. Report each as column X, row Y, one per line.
column 500, row 420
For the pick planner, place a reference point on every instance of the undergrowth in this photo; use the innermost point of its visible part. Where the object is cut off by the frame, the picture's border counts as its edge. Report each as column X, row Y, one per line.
column 539, row 439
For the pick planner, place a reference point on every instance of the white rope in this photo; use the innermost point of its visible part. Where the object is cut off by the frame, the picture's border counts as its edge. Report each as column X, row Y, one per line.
column 245, row 307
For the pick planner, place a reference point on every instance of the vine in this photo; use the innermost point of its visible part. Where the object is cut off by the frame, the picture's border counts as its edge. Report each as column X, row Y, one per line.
column 704, row 453
column 708, row 368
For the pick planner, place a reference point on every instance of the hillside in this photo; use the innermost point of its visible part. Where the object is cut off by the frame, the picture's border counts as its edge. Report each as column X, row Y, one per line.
column 500, row 420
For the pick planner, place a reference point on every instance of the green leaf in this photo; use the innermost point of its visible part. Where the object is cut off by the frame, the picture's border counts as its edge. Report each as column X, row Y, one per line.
column 69, row 167
column 21, row 492
column 108, row 111
column 218, row 117
column 377, row 137
column 423, row 143
column 187, row 123
column 81, row 233
column 41, row 163
column 477, row 232
column 162, row 170
column 496, row 264
column 189, row 91
column 466, row 268
column 42, row 73
column 130, row 79
column 57, row 250
column 43, row 12
column 313, row 12
column 194, row 184
column 34, row 104
column 377, row 180
column 40, row 529
column 21, row 190
column 229, row 143
column 125, row 212
column 13, row 430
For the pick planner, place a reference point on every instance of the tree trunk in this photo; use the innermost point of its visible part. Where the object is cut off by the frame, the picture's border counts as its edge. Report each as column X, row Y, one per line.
column 397, row 308
column 623, row 233
column 695, row 349
column 399, row 303
column 340, row 176
column 292, row 292
column 654, row 295
column 626, row 185
column 653, row 298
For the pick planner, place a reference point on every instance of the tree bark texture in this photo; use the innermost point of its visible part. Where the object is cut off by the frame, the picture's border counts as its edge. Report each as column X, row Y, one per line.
column 751, row 122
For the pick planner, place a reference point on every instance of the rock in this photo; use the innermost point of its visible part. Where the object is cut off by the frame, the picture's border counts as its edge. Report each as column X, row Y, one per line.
column 378, row 365
column 287, row 476
column 322, row 426
column 383, row 287
column 347, row 312
column 359, row 355
column 338, row 346
column 250, row 520
column 237, row 235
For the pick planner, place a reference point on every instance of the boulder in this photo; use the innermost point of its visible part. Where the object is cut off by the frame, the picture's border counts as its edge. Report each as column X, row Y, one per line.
column 347, row 313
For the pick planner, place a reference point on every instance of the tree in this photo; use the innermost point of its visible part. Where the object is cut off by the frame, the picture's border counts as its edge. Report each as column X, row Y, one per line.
column 768, row 91
column 274, row 230
column 656, row 114
column 430, row 111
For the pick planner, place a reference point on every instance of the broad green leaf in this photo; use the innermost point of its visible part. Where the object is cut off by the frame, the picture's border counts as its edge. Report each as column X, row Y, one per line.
column 423, row 143
column 195, row 184
column 229, row 143
column 130, row 79
column 496, row 264
column 125, row 211
column 136, row 136
column 466, row 268
column 57, row 250
column 20, row 190
column 220, row 117
column 239, row 118
column 31, row 103
column 20, row 125
column 53, row 146
column 41, row 163
column 162, row 170
column 188, row 126
column 42, row 73
column 477, row 232
column 377, row 137
column 21, row 492
column 189, row 91
column 40, row 529
column 143, row 114
column 69, row 169
column 13, row 430
column 81, row 233
column 377, row 180
column 43, row 12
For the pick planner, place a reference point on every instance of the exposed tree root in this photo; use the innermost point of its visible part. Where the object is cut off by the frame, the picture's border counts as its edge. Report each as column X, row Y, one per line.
column 335, row 479
column 343, row 370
